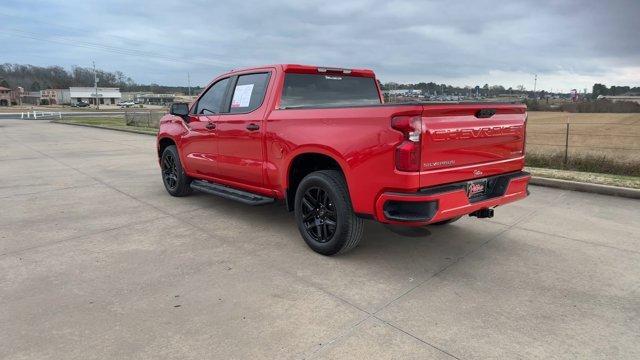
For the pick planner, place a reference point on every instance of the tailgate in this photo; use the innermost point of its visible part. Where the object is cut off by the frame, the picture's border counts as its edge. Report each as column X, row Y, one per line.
column 464, row 141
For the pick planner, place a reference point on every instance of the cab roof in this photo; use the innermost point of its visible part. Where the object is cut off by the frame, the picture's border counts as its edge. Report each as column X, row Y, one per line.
column 311, row 69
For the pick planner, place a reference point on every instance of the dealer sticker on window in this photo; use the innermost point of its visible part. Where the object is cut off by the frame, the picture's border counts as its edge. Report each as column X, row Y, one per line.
column 242, row 96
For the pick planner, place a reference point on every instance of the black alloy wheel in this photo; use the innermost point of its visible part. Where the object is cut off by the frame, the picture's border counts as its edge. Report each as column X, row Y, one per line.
column 319, row 214
column 324, row 213
column 174, row 178
column 169, row 172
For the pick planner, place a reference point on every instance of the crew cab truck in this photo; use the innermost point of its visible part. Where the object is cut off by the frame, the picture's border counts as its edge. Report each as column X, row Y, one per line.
column 322, row 141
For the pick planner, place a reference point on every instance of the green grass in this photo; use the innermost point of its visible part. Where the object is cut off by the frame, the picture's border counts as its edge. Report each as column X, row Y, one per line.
column 587, row 177
column 107, row 122
column 594, row 163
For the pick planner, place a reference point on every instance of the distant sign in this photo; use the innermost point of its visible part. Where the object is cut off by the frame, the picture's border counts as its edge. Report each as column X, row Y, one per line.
column 96, row 95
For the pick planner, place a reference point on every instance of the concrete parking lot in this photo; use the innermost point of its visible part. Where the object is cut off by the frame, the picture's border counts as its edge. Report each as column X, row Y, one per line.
column 97, row 261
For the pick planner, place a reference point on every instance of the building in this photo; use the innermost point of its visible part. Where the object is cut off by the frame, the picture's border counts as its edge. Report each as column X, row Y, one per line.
column 5, row 96
column 630, row 98
column 54, row 96
column 30, row 97
column 106, row 96
column 154, row 99
column 403, row 92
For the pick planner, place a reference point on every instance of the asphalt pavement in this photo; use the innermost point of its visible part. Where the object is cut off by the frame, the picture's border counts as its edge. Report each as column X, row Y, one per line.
column 97, row 261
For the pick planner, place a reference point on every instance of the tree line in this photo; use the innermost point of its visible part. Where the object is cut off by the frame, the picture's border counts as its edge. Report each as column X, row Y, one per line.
column 493, row 90
column 35, row 78
column 600, row 89
column 440, row 89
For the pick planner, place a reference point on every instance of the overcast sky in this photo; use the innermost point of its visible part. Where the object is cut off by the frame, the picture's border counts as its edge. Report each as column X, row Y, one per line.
column 569, row 44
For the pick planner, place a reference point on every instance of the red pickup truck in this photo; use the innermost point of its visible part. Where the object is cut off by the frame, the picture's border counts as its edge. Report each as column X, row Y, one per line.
column 322, row 141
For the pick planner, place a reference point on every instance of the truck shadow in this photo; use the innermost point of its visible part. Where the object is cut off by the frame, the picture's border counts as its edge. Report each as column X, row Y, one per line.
column 385, row 264
column 254, row 225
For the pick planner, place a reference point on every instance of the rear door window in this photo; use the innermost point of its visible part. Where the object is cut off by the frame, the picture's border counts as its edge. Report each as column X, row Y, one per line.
column 324, row 90
column 211, row 101
column 248, row 93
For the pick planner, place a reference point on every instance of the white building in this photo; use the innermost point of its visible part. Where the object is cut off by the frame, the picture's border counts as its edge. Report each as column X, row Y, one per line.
column 404, row 92
column 105, row 96
column 616, row 98
column 155, row 99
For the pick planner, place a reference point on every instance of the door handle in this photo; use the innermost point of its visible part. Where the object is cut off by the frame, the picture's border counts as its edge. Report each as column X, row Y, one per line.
column 253, row 127
column 211, row 126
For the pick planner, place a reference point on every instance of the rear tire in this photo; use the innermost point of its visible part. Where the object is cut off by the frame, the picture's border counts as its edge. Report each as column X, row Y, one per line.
column 324, row 213
column 448, row 221
column 174, row 178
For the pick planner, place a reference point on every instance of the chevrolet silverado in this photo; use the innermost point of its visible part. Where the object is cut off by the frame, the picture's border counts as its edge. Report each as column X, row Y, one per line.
column 323, row 141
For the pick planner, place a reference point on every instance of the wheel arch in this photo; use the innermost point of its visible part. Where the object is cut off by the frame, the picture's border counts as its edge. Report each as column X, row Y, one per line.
column 163, row 143
column 305, row 162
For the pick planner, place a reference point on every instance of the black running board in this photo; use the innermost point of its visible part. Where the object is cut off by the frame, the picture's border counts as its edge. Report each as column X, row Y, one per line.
column 230, row 193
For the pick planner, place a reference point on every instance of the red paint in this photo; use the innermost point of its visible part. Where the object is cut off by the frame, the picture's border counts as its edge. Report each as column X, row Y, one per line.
column 454, row 145
column 454, row 203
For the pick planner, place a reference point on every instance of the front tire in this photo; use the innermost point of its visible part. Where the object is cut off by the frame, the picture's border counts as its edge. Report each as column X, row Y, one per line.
column 324, row 213
column 174, row 178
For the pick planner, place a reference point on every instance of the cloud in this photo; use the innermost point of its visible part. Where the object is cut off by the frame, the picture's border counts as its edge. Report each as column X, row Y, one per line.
column 568, row 44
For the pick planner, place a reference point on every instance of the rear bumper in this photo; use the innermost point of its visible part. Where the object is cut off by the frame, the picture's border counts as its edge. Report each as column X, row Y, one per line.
column 444, row 202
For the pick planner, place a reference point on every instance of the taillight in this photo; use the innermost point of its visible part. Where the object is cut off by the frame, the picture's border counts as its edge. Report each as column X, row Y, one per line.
column 408, row 151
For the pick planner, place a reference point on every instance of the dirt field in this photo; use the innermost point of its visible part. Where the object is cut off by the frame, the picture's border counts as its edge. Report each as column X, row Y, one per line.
column 616, row 135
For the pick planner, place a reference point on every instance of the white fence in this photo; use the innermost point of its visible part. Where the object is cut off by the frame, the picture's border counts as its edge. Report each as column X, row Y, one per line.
column 41, row 115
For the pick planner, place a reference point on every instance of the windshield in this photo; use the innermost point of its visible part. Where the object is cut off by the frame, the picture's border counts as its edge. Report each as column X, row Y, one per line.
column 323, row 90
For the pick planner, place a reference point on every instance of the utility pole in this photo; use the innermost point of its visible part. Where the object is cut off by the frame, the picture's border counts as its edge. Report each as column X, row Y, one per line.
column 189, row 82
column 95, row 86
column 535, row 83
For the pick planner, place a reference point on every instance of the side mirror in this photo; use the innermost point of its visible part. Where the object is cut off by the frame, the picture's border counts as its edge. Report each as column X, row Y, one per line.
column 179, row 109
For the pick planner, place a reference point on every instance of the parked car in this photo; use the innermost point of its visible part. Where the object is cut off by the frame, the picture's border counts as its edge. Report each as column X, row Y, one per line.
column 126, row 104
column 80, row 104
column 321, row 141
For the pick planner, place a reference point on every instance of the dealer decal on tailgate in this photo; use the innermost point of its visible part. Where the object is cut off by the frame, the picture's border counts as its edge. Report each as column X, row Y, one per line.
column 476, row 188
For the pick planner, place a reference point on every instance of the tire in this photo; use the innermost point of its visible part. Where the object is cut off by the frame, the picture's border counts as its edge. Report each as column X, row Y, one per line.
column 174, row 178
column 448, row 221
column 324, row 213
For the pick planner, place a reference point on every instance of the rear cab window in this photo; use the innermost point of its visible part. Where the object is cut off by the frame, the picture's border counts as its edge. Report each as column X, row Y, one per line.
column 328, row 90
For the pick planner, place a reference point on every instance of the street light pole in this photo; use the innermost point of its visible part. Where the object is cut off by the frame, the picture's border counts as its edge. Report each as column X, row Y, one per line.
column 189, row 82
column 95, row 86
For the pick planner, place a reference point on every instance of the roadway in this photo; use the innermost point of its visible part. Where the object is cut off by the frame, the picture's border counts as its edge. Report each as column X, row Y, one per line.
column 97, row 261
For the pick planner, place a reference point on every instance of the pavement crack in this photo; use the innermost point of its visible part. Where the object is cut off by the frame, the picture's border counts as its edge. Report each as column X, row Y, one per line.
column 419, row 339
column 579, row 240
column 48, row 191
column 76, row 237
